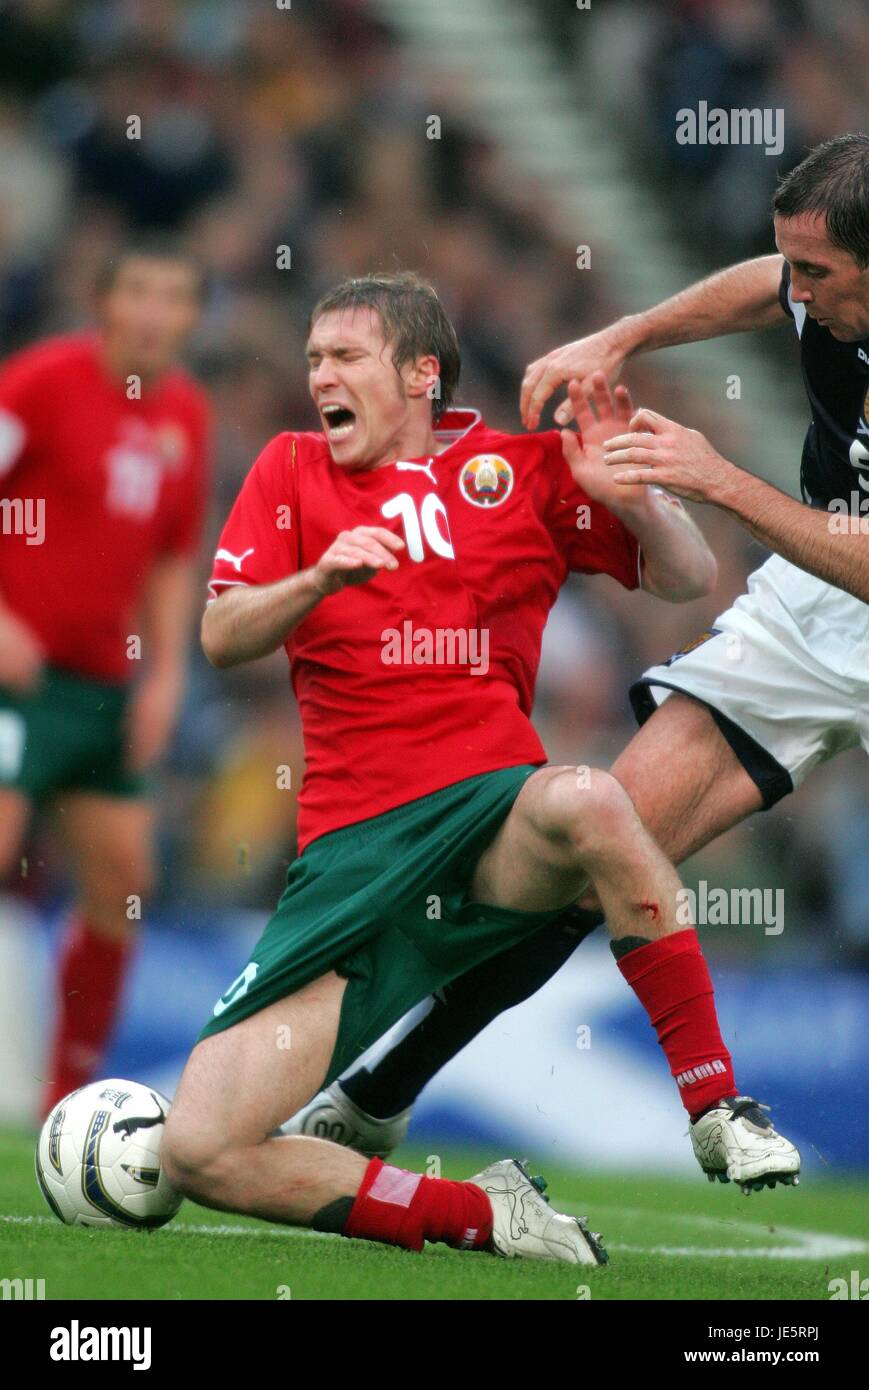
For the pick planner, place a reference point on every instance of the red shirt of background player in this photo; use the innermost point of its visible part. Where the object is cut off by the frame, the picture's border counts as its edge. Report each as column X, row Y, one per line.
column 122, row 482
column 492, row 526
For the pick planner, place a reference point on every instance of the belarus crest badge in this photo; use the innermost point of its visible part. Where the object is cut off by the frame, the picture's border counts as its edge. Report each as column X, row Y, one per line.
column 486, row 480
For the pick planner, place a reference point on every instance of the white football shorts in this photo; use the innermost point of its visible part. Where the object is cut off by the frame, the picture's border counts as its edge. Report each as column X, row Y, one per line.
column 784, row 672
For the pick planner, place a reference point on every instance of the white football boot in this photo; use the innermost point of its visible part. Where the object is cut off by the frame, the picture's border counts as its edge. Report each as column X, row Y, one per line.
column 333, row 1115
column 525, row 1225
column 735, row 1142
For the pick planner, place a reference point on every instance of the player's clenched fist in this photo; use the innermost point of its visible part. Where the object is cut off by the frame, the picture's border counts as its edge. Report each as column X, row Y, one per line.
column 355, row 557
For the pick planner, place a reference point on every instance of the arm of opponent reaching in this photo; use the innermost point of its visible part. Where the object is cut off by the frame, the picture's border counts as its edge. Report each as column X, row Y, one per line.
column 657, row 451
column 735, row 300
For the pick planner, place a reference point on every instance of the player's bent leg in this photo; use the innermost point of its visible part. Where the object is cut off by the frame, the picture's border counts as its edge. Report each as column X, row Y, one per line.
column 550, row 830
column 370, row 1111
column 568, row 826
column 686, row 802
column 561, row 825
column 686, row 782
column 220, row 1149
column 237, row 1085
column 683, row 801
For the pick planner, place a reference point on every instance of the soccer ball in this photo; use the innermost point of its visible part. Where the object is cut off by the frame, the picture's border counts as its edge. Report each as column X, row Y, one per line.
column 98, row 1157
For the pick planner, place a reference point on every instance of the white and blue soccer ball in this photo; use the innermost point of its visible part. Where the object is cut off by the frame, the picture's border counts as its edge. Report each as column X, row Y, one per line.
column 98, row 1157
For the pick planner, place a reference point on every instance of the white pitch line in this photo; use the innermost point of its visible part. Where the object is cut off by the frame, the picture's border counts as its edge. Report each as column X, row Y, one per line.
column 186, row 1228
column 810, row 1245
column 817, row 1247
column 202, row 1229
column 807, row 1245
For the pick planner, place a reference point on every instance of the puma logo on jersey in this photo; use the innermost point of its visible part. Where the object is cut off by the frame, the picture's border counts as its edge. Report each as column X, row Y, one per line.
column 418, row 468
column 235, row 560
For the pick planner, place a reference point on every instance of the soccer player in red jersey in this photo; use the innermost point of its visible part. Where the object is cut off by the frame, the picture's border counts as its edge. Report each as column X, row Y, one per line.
column 103, row 471
column 369, row 1108
column 431, row 833
column 721, row 738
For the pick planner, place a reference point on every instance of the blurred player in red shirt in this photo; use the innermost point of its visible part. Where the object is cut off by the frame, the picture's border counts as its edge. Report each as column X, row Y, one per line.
column 103, row 474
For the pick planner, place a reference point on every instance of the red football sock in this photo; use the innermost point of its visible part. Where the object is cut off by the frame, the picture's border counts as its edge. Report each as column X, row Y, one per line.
column 671, row 979
column 91, row 973
column 402, row 1208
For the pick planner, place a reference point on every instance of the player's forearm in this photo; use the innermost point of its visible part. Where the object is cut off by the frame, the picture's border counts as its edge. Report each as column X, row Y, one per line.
column 736, row 300
column 820, row 542
column 167, row 615
column 250, row 621
column 678, row 564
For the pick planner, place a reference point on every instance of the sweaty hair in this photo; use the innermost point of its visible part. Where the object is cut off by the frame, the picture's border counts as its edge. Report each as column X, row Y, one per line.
column 833, row 180
column 413, row 319
column 150, row 246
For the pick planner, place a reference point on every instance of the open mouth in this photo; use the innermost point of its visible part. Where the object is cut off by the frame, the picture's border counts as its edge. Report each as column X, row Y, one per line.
column 339, row 421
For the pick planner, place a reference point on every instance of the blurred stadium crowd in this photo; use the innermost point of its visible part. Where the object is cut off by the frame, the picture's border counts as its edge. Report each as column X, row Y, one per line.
column 306, row 129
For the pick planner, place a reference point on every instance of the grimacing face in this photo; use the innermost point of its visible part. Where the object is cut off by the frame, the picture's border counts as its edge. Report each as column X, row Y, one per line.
column 149, row 311
column 370, row 413
column 826, row 279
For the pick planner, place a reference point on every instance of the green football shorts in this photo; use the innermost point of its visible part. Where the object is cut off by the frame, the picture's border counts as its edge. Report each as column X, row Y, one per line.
column 67, row 734
column 384, row 902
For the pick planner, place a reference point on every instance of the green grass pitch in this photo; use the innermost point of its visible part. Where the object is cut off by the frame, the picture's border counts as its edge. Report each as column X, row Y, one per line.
column 667, row 1238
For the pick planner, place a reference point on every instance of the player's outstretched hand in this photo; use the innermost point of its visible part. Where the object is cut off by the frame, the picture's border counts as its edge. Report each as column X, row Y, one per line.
column 600, row 352
column 355, row 557
column 21, row 655
column 658, row 451
column 598, row 415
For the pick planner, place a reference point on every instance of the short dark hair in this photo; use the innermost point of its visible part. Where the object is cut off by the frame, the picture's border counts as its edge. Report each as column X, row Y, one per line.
column 415, row 323
column 833, row 179
column 150, row 246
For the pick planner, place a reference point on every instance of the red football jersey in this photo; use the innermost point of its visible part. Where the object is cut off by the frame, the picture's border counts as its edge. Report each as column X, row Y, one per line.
column 117, row 483
column 424, row 675
column 517, row 538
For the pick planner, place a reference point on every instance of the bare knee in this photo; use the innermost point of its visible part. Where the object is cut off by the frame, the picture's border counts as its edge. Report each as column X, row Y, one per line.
column 195, row 1163
column 585, row 807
